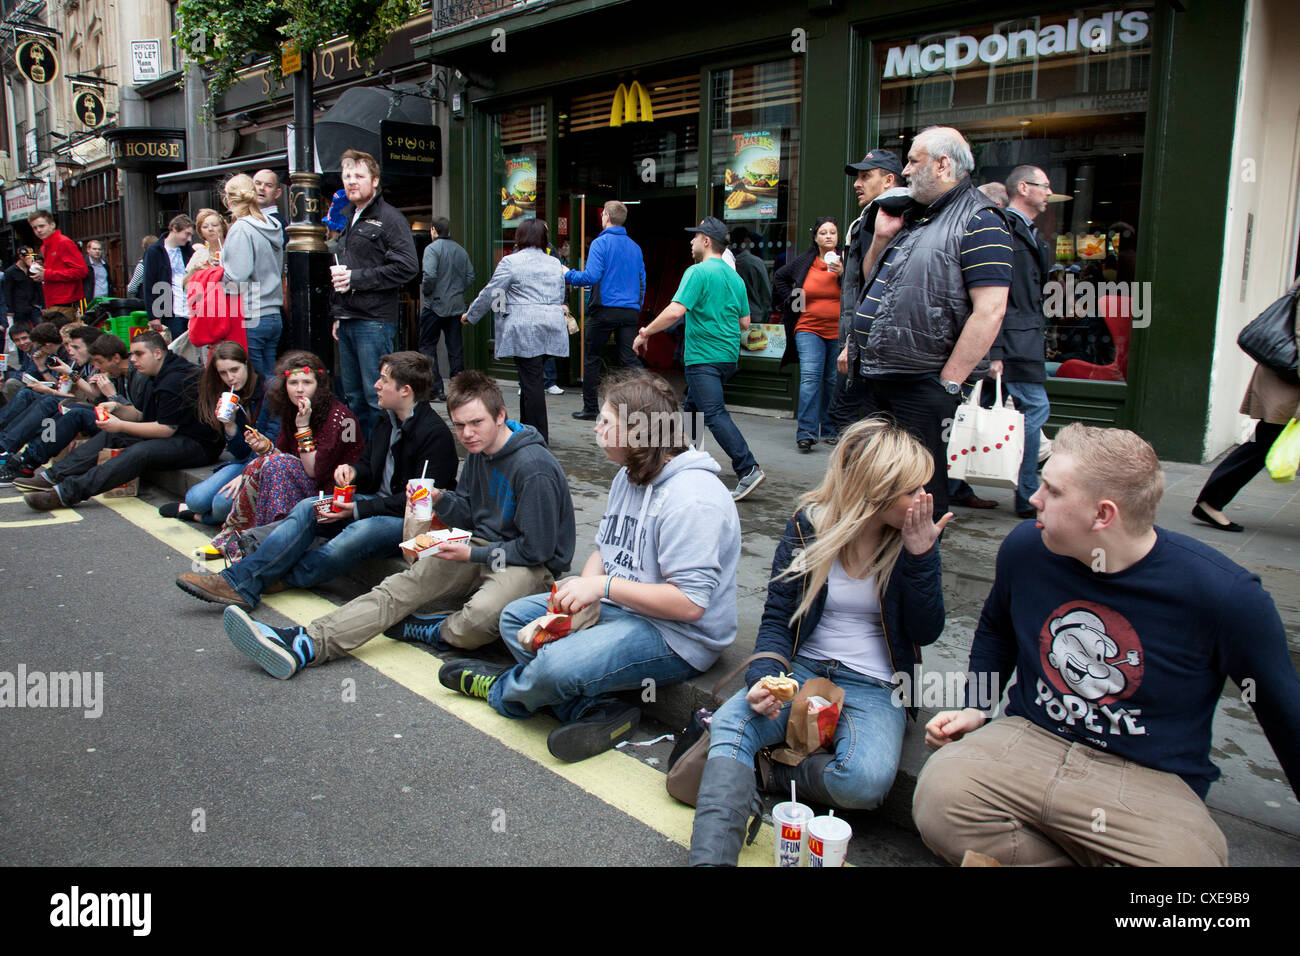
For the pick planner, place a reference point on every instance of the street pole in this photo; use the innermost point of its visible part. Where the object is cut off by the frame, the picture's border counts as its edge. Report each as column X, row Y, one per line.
column 308, row 325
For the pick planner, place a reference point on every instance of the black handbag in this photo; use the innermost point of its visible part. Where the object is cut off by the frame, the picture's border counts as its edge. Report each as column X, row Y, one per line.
column 1270, row 337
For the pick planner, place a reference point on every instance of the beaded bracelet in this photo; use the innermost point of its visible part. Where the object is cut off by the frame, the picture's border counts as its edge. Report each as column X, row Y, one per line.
column 306, row 446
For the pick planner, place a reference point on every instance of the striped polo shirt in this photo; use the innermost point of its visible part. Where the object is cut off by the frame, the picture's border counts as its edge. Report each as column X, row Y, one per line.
column 985, row 260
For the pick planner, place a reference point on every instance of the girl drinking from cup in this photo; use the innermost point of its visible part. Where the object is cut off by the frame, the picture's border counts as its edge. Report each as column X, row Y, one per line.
column 317, row 434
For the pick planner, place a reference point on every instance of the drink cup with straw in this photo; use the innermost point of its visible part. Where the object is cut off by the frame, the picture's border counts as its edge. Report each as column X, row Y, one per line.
column 790, row 821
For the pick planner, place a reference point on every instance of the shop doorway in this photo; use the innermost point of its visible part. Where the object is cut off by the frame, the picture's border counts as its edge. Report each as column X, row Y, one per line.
column 650, row 166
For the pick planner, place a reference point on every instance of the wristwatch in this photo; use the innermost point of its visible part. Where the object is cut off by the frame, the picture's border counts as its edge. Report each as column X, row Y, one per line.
column 952, row 388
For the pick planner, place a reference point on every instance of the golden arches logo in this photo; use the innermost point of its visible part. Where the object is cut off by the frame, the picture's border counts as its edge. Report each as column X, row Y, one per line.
column 628, row 101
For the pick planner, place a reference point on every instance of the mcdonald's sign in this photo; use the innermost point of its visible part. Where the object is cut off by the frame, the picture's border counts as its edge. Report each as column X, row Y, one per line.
column 627, row 102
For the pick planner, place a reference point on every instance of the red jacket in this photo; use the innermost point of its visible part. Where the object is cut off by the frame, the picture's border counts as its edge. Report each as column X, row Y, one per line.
column 65, row 270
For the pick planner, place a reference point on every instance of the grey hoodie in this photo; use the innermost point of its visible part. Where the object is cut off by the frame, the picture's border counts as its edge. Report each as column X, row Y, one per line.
column 518, row 500
column 681, row 529
column 254, row 254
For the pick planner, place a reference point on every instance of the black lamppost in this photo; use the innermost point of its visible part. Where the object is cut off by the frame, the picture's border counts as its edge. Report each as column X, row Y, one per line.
column 309, row 323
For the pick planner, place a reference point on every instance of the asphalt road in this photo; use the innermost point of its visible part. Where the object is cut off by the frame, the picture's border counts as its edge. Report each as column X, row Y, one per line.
column 198, row 757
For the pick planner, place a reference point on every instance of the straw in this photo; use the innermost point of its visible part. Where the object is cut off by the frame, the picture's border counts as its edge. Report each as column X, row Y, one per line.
column 792, row 796
column 425, row 470
column 336, row 259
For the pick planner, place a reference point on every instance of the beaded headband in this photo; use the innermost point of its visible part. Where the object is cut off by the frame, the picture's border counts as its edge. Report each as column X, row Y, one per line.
column 306, row 368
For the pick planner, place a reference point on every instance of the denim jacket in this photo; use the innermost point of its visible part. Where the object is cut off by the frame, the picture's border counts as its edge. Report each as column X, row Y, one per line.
column 912, row 610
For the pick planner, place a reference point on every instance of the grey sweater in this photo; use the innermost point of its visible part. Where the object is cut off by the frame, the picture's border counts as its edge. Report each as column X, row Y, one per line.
column 518, row 501
column 254, row 254
column 680, row 529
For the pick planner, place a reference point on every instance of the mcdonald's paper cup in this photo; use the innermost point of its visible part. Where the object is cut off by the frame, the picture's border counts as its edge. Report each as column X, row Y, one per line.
column 828, row 841
column 790, row 821
column 226, row 406
column 419, row 498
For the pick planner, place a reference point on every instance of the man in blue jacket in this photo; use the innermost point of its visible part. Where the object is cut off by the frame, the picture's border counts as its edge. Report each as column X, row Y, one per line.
column 1120, row 635
column 616, row 270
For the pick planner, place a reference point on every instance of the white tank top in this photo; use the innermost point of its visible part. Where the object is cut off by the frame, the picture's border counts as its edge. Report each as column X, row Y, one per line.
column 850, row 630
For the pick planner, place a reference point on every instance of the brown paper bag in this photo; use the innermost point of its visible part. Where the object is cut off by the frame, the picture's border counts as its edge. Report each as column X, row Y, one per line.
column 806, row 733
column 128, row 490
column 412, row 526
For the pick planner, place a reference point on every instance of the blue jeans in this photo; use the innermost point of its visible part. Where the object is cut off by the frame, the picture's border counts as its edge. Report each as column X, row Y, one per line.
column 549, row 375
column 816, row 384
column 361, row 343
column 203, row 499
column 572, row 675
column 77, row 419
column 1031, row 401
column 868, row 737
column 704, row 395
column 27, row 419
column 20, row 403
column 287, row 554
column 263, row 340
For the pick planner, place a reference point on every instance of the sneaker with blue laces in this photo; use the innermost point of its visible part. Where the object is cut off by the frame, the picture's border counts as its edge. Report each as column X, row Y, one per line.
column 280, row 651
column 421, row 629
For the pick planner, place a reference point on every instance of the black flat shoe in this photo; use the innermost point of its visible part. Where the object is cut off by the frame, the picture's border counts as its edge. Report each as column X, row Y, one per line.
column 805, row 444
column 173, row 510
column 1199, row 514
column 585, row 416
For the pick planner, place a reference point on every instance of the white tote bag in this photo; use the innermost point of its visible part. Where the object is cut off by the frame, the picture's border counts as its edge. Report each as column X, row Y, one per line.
column 986, row 444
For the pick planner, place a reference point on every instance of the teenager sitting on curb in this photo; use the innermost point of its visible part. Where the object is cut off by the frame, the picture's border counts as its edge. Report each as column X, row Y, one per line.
column 113, row 380
column 663, row 571
column 512, row 496
column 46, row 344
column 43, row 407
column 857, row 589
column 229, row 369
column 1120, row 635
column 408, row 434
column 162, row 435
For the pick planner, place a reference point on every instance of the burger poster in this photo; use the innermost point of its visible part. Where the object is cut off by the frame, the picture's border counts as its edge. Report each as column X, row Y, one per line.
column 763, row 341
column 519, row 194
column 753, row 174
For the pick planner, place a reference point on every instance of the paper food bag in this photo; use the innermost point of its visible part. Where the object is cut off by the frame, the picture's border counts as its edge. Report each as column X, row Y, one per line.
column 128, row 490
column 812, row 724
column 554, row 625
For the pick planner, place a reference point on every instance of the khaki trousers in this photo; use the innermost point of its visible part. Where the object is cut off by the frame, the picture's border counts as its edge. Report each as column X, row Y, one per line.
column 485, row 594
column 1027, row 797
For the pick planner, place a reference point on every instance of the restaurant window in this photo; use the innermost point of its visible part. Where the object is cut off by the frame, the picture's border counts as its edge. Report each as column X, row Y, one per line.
column 518, row 177
column 1067, row 93
column 756, row 117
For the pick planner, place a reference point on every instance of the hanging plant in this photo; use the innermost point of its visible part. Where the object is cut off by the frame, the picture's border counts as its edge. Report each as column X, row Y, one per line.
column 218, row 34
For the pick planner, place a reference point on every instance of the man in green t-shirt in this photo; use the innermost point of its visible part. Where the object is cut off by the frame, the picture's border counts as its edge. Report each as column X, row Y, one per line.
column 715, row 303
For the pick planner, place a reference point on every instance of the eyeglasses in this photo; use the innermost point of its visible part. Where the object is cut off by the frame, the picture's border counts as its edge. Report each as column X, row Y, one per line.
column 1039, row 185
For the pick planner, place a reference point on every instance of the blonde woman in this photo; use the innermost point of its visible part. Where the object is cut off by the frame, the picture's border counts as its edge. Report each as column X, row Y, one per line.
column 253, row 255
column 856, row 590
column 211, row 230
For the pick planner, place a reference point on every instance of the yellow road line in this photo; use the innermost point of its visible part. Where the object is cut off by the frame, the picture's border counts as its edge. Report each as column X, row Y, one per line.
column 60, row 516
column 617, row 779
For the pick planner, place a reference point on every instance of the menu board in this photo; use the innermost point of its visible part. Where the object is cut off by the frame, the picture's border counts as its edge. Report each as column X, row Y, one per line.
column 519, row 194
column 753, row 174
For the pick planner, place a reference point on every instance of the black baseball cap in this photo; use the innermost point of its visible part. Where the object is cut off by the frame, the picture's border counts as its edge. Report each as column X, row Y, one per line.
column 876, row 159
column 712, row 227
column 26, row 251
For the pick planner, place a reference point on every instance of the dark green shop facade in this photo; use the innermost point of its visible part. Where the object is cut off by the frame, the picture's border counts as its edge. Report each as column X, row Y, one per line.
column 1128, row 108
